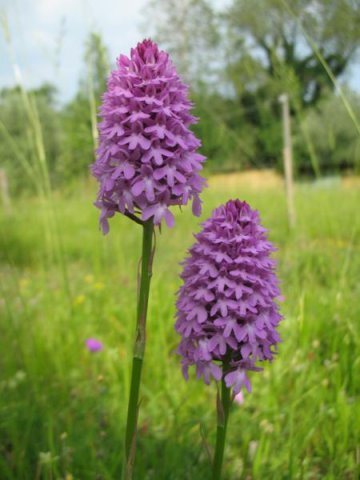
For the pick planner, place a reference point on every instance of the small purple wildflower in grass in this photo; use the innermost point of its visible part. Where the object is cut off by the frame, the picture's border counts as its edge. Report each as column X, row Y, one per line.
column 226, row 309
column 93, row 345
column 147, row 159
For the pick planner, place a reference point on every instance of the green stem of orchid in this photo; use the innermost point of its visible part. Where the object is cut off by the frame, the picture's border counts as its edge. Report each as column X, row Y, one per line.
column 223, row 409
column 139, row 349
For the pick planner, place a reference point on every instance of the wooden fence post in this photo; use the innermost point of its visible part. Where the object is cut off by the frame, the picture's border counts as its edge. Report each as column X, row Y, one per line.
column 288, row 161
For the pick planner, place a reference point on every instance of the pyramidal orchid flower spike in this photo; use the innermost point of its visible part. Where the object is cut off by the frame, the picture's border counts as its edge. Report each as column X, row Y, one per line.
column 147, row 158
column 147, row 161
column 227, row 313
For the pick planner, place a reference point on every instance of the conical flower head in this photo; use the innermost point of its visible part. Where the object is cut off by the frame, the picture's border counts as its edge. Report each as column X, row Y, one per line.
column 147, row 158
column 226, row 309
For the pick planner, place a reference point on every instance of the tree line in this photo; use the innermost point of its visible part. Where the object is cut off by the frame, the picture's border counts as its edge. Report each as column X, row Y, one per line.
column 238, row 61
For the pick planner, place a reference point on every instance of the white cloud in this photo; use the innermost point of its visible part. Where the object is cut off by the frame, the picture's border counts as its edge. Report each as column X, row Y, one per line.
column 51, row 10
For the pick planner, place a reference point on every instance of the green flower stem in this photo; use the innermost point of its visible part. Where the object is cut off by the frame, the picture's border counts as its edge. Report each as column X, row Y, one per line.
column 223, row 408
column 139, row 349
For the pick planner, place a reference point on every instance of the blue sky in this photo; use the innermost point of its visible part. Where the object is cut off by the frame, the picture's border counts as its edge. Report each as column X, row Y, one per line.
column 48, row 38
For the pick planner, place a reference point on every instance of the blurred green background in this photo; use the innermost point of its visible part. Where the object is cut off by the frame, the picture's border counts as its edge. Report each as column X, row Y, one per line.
column 62, row 409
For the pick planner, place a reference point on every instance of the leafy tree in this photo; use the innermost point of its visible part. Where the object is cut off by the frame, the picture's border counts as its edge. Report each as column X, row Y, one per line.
column 79, row 117
column 271, row 50
column 331, row 136
column 225, row 149
column 187, row 29
column 97, row 65
column 278, row 36
column 17, row 137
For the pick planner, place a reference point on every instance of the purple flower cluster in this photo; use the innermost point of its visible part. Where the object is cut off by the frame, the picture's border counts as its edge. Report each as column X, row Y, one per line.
column 226, row 310
column 146, row 160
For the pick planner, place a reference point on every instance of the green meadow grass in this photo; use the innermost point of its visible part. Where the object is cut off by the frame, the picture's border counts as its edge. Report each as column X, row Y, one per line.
column 62, row 409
